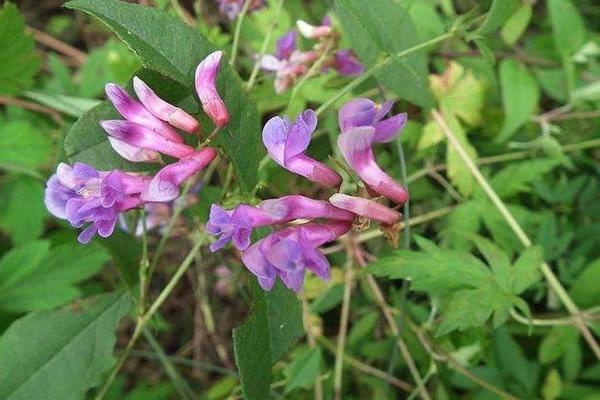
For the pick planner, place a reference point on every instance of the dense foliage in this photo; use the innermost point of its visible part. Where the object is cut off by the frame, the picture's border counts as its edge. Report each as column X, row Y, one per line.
column 488, row 287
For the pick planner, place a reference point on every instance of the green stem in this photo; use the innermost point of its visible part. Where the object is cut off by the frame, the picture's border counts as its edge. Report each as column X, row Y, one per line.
column 144, row 264
column 143, row 319
column 375, row 68
column 236, row 35
column 551, row 278
column 263, row 48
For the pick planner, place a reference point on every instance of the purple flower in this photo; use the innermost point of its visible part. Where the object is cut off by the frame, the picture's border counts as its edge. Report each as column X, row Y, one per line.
column 364, row 112
column 232, row 8
column 287, row 144
column 164, row 186
column 237, row 224
column 289, row 252
column 206, row 76
column 133, row 153
column 286, row 45
column 346, row 63
column 366, row 208
column 142, row 137
column 356, row 147
column 137, row 112
column 163, row 110
column 83, row 195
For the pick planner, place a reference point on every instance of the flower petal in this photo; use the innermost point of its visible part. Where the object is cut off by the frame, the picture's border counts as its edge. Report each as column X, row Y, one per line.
column 206, row 76
column 388, row 129
column 357, row 112
column 274, row 136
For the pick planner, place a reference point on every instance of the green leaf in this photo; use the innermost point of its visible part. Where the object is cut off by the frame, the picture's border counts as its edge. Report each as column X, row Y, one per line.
column 526, row 270
column 567, row 25
column 516, row 24
column 23, row 145
column 379, row 28
column 584, row 289
column 362, row 328
column 303, row 370
column 556, row 343
column 517, row 177
column 265, row 336
column 497, row 260
column 34, row 278
column 500, row 11
column 69, row 105
column 60, row 354
column 520, row 97
column 22, row 210
column 17, row 54
column 553, row 385
column 589, row 92
column 170, row 47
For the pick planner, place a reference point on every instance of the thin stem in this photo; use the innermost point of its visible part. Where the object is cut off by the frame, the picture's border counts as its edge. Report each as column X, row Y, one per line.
column 316, row 66
column 11, row 101
column 143, row 319
column 551, row 278
column 363, row 237
column 181, row 386
column 375, row 68
column 367, row 369
column 517, row 155
column 78, row 56
column 311, row 340
column 341, row 341
column 185, row 362
column 236, row 35
column 263, row 48
column 144, row 264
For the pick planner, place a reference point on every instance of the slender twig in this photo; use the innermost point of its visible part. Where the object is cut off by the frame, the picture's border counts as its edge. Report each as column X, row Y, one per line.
column 311, row 340
column 363, row 237
column 236, row 34
column 43, row 38
column 185, row 362
column 264, row 46
column 143, row 320
column 551, row 278
column 11, row 101
column 341, row 340
column 144, row 264
column 367, row 369
column 375, row 68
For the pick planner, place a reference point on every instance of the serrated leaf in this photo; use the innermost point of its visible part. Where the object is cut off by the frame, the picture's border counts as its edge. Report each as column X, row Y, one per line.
column 459, row 93
column 500, row 11
column 303, row 370
column 60, row 354
column 22, row 210
column 34, row 278
column 265, row 335
column 379, row 28
column 497, row 259
column 517, row 177
column 526, row 270
column 168, row 46
column 520, row 97
column 18, row 59
column 567, row 25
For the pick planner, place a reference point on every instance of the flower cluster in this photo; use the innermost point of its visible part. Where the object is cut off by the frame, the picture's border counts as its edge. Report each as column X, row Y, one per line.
column 289, row 63
column 288, row 252
column 85, row 196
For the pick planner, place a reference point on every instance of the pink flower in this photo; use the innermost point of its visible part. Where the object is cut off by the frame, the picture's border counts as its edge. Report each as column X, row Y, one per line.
column 287, row 144
column 364, row 112
column 313, row 32
column 356, row 148
column 237, row 224
column 163, row 110
column 165, row 184
column 212, row 104
column 366, row 208
column 142, row 137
